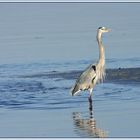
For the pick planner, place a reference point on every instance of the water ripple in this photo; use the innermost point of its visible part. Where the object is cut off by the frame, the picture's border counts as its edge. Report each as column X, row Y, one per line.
column 36, row 86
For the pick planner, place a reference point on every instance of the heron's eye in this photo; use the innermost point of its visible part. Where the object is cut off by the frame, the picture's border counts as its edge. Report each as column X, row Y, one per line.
column 100, row 28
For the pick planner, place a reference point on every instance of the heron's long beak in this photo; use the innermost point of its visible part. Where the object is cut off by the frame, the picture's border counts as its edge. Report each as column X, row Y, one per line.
column 109, row 30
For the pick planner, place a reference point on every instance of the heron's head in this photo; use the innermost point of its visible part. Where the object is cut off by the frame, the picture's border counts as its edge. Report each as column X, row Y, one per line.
column 103, row 29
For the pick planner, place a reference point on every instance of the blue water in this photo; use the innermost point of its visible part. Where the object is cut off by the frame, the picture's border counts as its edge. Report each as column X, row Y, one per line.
column 33, row 86
column 38, row 40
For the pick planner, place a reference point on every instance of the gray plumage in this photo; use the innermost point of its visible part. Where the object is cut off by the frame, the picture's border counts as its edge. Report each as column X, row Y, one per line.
column 95, row 73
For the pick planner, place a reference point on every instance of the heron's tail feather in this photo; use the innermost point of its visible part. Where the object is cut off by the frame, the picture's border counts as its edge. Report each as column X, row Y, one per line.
column 75, row 90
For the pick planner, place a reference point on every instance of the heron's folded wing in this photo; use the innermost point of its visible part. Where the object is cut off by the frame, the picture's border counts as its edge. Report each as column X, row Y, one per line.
column 85, row 79
column 87, row 76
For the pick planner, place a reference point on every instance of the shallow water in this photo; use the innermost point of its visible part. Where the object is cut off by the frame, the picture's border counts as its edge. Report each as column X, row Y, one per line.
column 42, row 86
column 35, row 94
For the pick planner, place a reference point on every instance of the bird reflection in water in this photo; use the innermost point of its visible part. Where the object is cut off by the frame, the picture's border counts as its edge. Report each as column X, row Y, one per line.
column 86, row 127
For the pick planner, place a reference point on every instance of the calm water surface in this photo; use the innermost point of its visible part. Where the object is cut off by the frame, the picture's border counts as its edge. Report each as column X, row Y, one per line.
column 38, row 40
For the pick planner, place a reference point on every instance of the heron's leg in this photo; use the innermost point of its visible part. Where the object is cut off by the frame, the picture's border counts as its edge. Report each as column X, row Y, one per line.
column 90, row 100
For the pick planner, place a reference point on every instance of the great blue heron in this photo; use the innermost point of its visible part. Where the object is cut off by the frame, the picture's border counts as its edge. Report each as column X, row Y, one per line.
column 93, row 74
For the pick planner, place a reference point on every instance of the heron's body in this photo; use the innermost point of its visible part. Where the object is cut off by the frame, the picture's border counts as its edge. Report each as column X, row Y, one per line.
column 95, row 73
column 88, row 79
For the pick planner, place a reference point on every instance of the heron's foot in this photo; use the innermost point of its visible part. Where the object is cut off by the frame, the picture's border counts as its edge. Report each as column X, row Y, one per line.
column 90, row 103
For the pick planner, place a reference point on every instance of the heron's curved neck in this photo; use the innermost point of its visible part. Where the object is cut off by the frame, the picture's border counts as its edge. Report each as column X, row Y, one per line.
column 101, row 49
